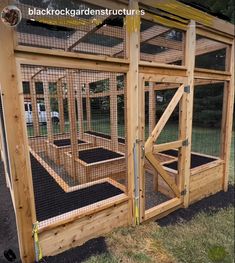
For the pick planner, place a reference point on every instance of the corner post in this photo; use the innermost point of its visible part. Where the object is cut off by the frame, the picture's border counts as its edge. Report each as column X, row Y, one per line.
column 19, row 159
column 78, row 84
column 61, row 104
column 186, row 114
column 133, row 51
column 113, row 111
column 70, row 78
column 34, row 104
column 88, row 107
column 47, row 102
column 227, row 121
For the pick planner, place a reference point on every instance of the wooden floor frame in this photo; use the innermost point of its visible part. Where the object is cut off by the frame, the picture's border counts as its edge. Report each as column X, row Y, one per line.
column 65, row 186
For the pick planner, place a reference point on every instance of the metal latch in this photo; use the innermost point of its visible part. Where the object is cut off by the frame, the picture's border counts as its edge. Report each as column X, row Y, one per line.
column 185, row 142
column 142, row 148
column 187, row 89
column 143, row 152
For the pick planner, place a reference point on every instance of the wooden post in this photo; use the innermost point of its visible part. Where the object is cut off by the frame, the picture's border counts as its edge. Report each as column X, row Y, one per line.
column 227, row 120
column 47, row 107
column 79, row 106
column 133, row 50
column 113, row 111
column 141, row 136
column 186, row 115
column 34, row 107
column 72, row 120
column 20, row 168
column 88, row 107
column 152, row 124
column 152, row 107
column 61, row 105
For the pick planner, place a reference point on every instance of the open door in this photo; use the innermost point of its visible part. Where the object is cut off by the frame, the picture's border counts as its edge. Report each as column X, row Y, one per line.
column 162, row 179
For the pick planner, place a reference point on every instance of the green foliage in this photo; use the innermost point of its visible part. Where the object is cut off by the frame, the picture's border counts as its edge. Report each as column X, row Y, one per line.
column 225, row 7
column 217, row 254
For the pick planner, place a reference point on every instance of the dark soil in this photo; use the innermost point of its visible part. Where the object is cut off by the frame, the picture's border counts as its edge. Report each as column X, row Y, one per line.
column 65, row 142
column 152, row 198
column 196, row 160
column 106, row 136
column 52, row 201
column 92, row 247
column 173, row 153
column 209, row 205
column 97, row 155
column 8, row 232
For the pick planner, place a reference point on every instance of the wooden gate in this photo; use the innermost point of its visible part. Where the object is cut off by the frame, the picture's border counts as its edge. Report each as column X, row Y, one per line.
column 175, row 182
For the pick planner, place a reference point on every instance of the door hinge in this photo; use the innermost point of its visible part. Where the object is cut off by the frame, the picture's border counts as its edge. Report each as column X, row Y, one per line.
column 187, row 89
column 183, row 192
column 185, row 142
column 142, row 148
column 143, row 152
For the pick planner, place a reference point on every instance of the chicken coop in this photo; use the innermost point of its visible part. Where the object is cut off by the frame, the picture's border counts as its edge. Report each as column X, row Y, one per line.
column 112, row 120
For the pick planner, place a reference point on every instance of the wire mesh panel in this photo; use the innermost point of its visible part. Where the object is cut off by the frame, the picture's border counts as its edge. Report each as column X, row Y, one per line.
column 156, row 102
column 207, row 118
column 3, row 143
column 210, row 54
column 93, row 33
column 157, row 98
column 77, row 156
column 161, row 44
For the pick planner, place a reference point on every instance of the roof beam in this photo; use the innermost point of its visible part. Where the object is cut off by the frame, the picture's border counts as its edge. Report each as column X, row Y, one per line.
column 188, row 12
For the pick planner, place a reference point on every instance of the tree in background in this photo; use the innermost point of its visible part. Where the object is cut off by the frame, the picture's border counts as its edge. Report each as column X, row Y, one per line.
column 223, row 9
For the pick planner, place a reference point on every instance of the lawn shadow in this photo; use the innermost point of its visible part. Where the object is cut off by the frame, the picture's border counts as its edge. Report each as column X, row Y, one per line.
column 93, row 247
column 209, row 205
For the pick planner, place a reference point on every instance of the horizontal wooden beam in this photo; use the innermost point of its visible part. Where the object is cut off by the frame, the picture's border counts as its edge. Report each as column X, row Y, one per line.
column 188, row 12
column 167, row 146
column 62, row 53
column 162, row 208
column 164, row 21
column 108, row 4
column 56, row 60
column 211, row 74
column 165, row 78
column 212, row 35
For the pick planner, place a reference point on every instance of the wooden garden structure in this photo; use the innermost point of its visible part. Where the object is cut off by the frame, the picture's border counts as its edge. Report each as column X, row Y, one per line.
column 150, row 52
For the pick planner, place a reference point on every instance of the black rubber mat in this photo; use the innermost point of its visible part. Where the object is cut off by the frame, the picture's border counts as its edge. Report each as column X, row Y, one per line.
column 65, row 142
column 97, row 155
column 196, row 160
column 52, row 201
column 106, row 136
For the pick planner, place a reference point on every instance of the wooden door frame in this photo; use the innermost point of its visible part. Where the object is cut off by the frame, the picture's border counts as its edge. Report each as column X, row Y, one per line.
column 174, row 203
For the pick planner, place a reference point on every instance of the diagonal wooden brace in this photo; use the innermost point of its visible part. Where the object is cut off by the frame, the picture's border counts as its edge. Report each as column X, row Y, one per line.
column 163, row 173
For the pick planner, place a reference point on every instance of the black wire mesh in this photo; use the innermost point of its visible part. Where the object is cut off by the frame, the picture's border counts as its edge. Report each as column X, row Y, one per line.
column 157, row 98
column 90, row 34
column 210, row 54
column 77, row 155
column 207, row 118
column 161, row 44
